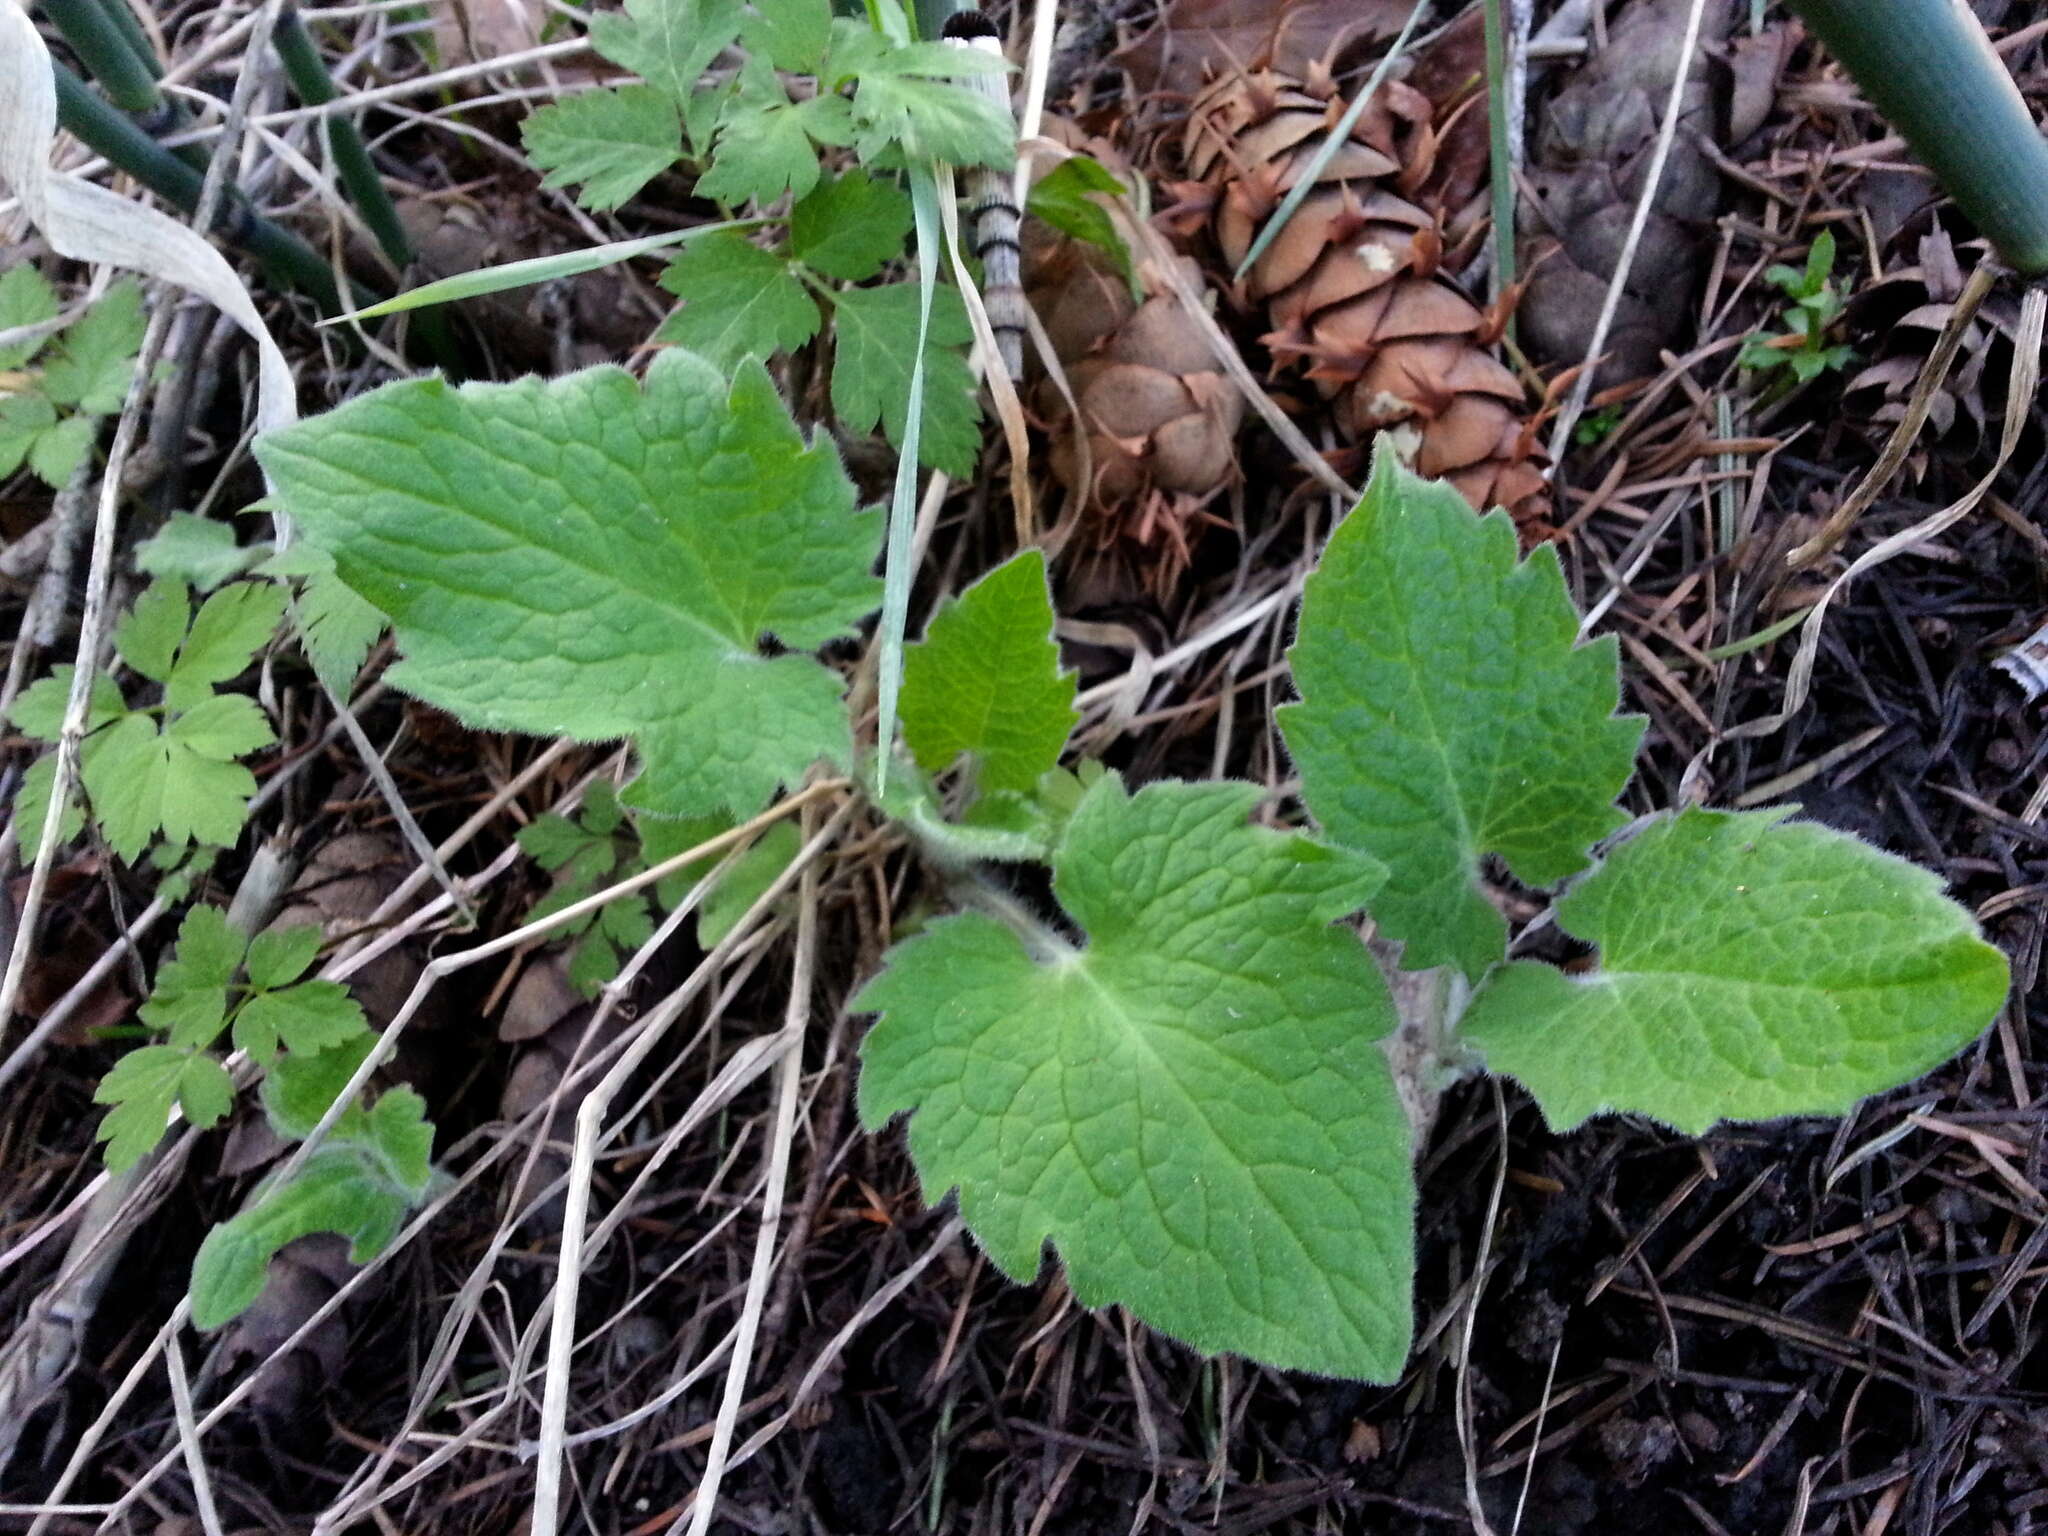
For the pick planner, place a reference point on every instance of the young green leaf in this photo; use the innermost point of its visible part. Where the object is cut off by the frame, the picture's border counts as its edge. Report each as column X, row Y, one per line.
column 59, row 450
column 149, row 635
column 1194, row 1107
column 1064, row 198
column 592, row 958
column 668, row 43
column 23, row 421
column 791, row 35
column 873, row 331
column 34, row 804
column 768, row 144
column 95, row 357
column 180, row 779
column 640, row 544
column 200, row 551
column 278, row 957
column 336, row 626
column 143, row 1086
column 553, row 840
column 1820, row 263
column 399, row 1134
column 612, row 141
column 662, row 838
column 906, row 96
column 298, row 1089
column 1447, row 714
column 39, row 712
column 312, row 1017
column 26, row 298
column 124, row 775
column 742, row 885
column 850, row 227
column 986, row 679
column 342, row 1189
column 602, row 813
column 626, row 923
column 738, row 301
column 231, row 627
column 1748, row 969
column 190, row 997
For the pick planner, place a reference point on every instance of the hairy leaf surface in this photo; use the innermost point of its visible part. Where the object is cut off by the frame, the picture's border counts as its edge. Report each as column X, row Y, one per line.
column 1193, row 1107
column 590, row 558
column 346, row 1189
column 1446, row 713
column 1748, row 969
column 986, row 679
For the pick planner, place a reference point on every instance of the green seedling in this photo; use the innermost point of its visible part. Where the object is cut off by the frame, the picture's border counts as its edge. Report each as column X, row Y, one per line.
column 166, row 769
column 309, row 1037
column 601, row 846
column 1801, row 350
column 1595, row 426
column 54, row 389
column 812, row 85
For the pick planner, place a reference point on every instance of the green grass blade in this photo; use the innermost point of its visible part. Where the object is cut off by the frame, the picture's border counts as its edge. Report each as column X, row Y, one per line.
column 1501, row 172
column 1761, row 638
column 1928, row 66
column 534, row 269
column 896, row 571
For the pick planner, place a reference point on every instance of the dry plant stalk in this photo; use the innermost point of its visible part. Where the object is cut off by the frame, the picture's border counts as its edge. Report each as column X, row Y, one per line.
column 1353, row 285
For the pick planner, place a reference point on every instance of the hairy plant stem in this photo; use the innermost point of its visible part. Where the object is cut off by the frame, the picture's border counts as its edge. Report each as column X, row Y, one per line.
column 1040, row 941
column 1423, row 1051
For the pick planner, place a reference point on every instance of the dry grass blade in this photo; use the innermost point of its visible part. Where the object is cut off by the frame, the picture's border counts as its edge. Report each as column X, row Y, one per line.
column 788, row 1072
column 589, row 1118
column 1667, row 131
column 1932, row 373
column 2024, row 380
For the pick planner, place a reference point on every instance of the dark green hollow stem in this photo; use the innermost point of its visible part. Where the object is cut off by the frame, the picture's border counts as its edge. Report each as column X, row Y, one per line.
column 283, row 255
column 122, row 17
column 315, row 87
column 107, row 54
column 122, row 65
column 1928, row 66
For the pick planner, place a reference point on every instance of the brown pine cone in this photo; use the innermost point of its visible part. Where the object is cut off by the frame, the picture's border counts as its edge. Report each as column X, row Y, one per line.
column 1352, row 286
column 1157, row 439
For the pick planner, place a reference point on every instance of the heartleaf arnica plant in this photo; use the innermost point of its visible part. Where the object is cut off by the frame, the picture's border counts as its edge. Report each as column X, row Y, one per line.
column 1175, row 1074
